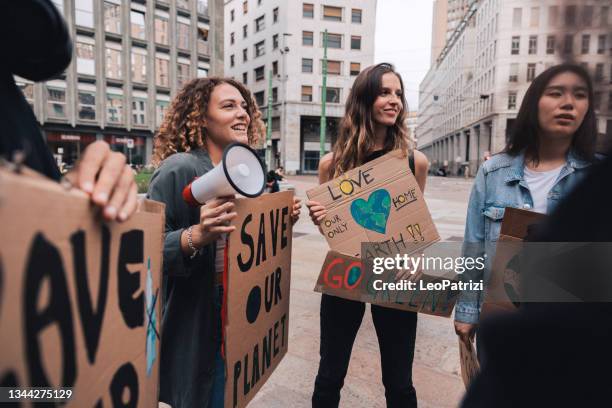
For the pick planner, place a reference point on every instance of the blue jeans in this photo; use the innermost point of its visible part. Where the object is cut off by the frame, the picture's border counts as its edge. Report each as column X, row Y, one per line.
column 217, row 394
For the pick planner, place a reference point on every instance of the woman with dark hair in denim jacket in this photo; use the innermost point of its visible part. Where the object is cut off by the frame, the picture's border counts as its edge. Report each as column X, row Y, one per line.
column 546, row 156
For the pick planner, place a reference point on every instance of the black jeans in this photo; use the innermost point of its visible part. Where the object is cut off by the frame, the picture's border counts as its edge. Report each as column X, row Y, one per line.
column 396, row 331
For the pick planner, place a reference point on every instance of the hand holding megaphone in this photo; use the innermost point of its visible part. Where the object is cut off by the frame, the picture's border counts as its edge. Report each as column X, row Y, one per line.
column 240, row 172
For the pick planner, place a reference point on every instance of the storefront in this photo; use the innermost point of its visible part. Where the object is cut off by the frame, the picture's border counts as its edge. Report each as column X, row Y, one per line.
column 67, row 147
column 134, row 147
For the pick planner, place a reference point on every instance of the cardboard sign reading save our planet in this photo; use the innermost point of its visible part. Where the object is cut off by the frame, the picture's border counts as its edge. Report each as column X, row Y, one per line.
column 258, row 283
column 379, row 201
column 80, row 298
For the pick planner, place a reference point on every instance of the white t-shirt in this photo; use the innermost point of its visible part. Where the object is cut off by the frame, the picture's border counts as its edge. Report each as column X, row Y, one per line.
column 540, row 183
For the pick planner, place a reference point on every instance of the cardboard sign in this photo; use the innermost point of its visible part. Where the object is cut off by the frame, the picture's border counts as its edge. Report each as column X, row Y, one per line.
column 469, row 362
column 346, row 277
column 79, row 298
column 258, row 283
column 502, row 292
column 377, row 202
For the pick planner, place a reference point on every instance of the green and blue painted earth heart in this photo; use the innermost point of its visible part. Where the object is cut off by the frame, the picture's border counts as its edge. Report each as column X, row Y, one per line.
column 373, row 214
column 354, row 274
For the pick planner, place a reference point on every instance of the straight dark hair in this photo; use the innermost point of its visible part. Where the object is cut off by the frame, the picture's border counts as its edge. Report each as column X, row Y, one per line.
column 524, row 135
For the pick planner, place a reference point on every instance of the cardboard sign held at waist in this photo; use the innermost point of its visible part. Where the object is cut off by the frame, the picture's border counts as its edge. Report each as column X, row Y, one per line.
column 346, row 277
column 379, row 201
column 80, row 298
column 502, row 291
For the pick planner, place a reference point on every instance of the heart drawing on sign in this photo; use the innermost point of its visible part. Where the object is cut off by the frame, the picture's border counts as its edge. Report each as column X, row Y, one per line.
column 372, row 214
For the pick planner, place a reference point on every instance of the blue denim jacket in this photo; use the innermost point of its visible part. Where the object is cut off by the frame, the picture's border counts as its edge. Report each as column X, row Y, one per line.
column 500, row 184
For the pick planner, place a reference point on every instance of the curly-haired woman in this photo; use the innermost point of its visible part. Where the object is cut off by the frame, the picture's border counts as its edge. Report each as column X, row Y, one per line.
column 374, row 124
column 207, row 115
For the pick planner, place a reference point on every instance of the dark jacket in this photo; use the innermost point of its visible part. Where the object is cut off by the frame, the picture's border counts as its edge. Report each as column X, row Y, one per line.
column 190, row 328
column 35, row 45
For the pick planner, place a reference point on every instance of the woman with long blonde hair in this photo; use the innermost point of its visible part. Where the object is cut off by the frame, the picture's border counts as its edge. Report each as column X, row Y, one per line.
column 374, row 124
column 207, row 115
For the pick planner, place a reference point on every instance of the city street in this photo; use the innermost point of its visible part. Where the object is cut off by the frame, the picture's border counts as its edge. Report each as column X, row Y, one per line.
column 436, row 372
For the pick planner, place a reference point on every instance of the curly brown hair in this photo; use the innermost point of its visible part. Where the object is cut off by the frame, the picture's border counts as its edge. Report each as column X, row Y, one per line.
column 355, row 140
column 181, row 129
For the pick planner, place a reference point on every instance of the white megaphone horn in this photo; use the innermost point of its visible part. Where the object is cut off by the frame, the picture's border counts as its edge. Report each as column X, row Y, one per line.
column 240, row 171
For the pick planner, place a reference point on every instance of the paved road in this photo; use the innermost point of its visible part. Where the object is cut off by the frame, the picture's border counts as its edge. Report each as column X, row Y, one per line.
column 436, row 365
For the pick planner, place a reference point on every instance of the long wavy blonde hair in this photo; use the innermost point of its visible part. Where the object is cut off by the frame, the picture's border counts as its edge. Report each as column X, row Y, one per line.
column 356, row 137
column 182, row 128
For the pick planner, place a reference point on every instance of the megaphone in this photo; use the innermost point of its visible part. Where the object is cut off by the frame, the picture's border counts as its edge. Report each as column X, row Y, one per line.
column 240, row 171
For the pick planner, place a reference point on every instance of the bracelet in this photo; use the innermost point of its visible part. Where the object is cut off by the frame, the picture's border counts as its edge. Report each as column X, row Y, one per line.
column 190, row 243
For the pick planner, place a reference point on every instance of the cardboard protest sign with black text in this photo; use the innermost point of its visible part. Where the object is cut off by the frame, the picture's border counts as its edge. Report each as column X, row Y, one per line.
column 79, row 298
column 379, row 201
column 258, row 282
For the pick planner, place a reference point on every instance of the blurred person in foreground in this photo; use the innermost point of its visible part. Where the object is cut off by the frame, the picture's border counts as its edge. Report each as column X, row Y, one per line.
column 36, row 45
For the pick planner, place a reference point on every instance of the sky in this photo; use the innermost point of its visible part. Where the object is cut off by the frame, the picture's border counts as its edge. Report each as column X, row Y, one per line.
column 403, row 38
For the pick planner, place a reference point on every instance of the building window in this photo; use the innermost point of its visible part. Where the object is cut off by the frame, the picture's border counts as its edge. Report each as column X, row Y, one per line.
column 587, row 16
column 307, row 10
column 86, row 63
column 333, row 40
column 114, row 106
column 232, row 38
column 531, row 72
column 260, row 48
column 356, row 16
column 605, row 10
column 307, row 65
column 260, row 98
column 533, row 44
column 245, row 55
column 137, row 24
column 28, row 92
column 332, row 13
column 183, row 4
column 202, row 72
column 112, row 17
column 139, row 65
column 516, row 45
column 355, row 68
column 245, row 78
column 139, row 112
column 83, row 13
column 514, row 68
column 568, row 46
column 113, row 61
column 161, row 107
column 87, row 105
column 203, row 40
column 182, row 73
column 512, row 100
column 245, row 31
column 599, row 68
column 517, row 17
column 232, row 60
column 570, row 16
column 275, row 68
column 275, row 41
column 162, row 66
column 333, row 95
column 259, row 73
column 183, row 35
column 307, row 38
column 161, row 30
column 601, row 44
column 333, row 67
column 274, row 95
column 232, row 15
column 355, row 42
column 553, row 16
column 260, row 24
column 586, row 42
column 275, row 15
column 550, row 44
column 56, row 103
column 306, row 93
column 535, row 17
column 245, row 7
